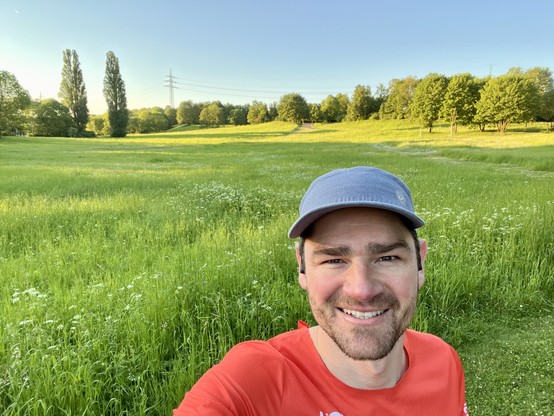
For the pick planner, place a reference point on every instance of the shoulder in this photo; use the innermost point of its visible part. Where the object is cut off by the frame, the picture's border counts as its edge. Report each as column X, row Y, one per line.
column 278, row 348
column 430, row 351
column 429, row 343
column 251, row 376
column 434, row 381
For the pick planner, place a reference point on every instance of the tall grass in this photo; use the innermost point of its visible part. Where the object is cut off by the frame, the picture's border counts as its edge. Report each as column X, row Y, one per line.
column 130, row 266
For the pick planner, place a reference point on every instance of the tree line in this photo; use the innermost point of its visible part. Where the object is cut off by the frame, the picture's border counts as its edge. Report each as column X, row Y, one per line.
column 462, row 99
column 70, row 116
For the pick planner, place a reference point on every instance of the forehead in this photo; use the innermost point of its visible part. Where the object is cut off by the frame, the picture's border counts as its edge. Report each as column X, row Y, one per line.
column 349, row 222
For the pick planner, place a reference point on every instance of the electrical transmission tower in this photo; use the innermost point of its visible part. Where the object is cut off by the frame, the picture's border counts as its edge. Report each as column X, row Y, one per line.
column 170, row 83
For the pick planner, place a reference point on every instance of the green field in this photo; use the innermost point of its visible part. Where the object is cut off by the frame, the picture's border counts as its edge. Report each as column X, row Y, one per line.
column 130, row 266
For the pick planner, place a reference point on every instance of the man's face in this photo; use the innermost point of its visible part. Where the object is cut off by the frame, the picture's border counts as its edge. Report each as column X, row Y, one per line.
column 362, row 279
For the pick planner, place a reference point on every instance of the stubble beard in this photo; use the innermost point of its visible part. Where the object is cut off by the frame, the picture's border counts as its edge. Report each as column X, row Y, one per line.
column 366, row 343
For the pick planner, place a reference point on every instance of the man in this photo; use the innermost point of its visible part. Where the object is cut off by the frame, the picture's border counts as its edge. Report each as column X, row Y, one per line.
column 361, row 264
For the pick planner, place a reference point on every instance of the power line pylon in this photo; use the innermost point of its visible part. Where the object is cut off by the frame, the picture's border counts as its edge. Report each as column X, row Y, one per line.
column 170, row 83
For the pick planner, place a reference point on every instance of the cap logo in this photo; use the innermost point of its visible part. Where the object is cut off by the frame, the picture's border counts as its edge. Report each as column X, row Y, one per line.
column 401, row 198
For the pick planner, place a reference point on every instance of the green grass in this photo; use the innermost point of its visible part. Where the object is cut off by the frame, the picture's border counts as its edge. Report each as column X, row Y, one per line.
column 513, row 359
column 130, row 266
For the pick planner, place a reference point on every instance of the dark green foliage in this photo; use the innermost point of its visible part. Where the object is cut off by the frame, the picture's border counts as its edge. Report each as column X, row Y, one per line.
column 211, row 116
column 188, row 113
column 293, row 107
column 334, row 108
column 428, row 98
column 114, row 92
column 50, row 118
column 72, row 90
column 237, row 116
column 460, row 98
column 361, row 105
column 257, row 113
column 316, row 115
column 171, row 114
column 148, row 120
column 507, row 99
column 399, row 99
column 13, row 101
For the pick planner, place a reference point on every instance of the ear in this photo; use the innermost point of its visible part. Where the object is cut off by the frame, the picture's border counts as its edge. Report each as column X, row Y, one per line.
column 423, row 254
column 301, row 272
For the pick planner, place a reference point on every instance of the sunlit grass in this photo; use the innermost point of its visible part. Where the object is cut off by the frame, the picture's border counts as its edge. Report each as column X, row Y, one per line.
column 129, row 266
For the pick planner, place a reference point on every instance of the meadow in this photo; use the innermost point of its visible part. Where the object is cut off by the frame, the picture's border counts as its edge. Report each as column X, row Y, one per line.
column 130, row 266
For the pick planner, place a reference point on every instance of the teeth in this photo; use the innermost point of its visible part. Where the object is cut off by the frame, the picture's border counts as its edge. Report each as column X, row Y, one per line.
column 363, row 315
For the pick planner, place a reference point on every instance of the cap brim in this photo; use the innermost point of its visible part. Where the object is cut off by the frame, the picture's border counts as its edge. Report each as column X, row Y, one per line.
column 309, row 218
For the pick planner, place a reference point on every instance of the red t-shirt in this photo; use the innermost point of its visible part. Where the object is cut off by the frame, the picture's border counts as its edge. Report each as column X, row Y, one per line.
column 285, row 376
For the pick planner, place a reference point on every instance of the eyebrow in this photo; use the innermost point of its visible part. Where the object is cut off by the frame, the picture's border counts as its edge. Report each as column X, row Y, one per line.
column 338, row 251
column 371, row 248
column 378, row 248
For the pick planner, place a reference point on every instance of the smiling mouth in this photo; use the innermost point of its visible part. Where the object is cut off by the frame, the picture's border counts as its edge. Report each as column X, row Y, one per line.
column 363, row 315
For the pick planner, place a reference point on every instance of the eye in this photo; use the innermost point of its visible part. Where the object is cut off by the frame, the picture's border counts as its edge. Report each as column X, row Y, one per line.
column 387, row 258
column 334, row 261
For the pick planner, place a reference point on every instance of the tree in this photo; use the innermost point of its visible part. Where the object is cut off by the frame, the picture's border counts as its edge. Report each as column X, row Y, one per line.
column 343, row 103
column 188, row 113
column 399, row 100
column 460, row 98
column 171, row 115
column 334, row 108
column 133, row 126
column 98, row 124
column 316, row 115
column 272, row 112
column 72, row 90
column 361, row 105
column 381, row 94
column 505, row 99
column 237, row 116
column 428, row 99
column 211, row 116
column 547, row 108
column 542, row 77
column 293, row 107
column 114, row 93
column 147, row 120
column 257, row 113
column 50, row 118
column 13, row 102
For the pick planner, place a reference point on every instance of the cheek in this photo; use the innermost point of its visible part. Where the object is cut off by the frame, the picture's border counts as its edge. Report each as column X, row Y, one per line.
column 405, row 289
column 320, row 290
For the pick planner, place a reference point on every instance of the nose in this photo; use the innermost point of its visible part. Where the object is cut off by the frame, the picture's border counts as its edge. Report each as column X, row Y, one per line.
column 361, row 282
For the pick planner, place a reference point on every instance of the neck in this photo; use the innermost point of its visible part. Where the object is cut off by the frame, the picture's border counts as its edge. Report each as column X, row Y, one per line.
column 366, row 375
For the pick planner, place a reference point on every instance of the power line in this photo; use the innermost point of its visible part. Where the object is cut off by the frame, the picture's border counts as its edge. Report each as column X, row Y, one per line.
column 256, row 91
column 195, row 86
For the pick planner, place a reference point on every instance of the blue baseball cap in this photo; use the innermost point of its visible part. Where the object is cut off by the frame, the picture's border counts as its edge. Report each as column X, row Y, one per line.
column 360, row 186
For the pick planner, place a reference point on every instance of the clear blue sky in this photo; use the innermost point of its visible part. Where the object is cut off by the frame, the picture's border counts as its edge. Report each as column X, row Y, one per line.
column 240, row 51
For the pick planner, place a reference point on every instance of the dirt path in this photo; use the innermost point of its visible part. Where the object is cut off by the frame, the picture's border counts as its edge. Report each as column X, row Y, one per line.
column 304, row 128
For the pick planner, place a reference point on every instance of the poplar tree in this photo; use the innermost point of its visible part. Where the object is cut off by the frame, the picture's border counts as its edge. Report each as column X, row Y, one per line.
column 114, row 92
column 72, row 90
